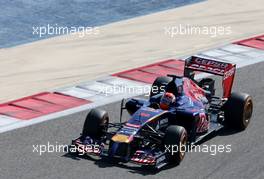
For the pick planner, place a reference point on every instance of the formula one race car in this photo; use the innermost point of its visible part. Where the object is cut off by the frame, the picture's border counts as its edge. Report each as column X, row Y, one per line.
column 180, row 111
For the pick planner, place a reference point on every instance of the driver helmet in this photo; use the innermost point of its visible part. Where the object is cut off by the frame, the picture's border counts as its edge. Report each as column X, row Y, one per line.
column 166, row 100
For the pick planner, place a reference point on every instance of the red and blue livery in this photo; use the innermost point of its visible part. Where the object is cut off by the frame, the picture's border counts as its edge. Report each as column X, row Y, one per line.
column 193, row 112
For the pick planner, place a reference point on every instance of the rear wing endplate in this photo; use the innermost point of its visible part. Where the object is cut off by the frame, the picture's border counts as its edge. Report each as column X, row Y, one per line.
column 212, row 66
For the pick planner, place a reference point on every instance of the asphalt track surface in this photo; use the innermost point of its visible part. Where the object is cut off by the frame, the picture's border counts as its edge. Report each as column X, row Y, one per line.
column 245, row 160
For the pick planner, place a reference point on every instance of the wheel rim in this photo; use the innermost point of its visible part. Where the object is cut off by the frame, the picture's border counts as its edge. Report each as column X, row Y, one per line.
column 248, row 111
column 183, row 143
column 104, row 124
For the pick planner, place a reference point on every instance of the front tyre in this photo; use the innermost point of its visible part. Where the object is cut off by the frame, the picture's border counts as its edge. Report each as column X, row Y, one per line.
column 176, row 139
column 238, row 111
column 96, row 123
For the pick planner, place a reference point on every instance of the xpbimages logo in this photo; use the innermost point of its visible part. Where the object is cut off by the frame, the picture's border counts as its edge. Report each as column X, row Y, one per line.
column 41, row 149
column 211, row 149
column 134, row 90
column 187, row 29
column 55, row 29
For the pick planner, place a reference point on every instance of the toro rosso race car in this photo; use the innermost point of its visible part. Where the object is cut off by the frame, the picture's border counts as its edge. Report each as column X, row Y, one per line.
column 180, row 111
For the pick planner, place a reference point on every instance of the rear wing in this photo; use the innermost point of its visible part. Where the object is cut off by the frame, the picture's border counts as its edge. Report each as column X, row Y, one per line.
column 207, row 65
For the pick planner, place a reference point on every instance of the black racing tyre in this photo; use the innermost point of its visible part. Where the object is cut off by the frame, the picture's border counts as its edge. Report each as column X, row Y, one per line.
column 238, row 111
column 96, row 123
column 132, row 106
column 175, row 136
column 159, row 85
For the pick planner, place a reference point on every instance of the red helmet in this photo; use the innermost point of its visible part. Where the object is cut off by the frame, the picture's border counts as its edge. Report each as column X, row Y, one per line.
column 166, row 100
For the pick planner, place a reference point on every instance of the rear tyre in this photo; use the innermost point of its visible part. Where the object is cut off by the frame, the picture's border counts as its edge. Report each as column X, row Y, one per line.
column 96, row 123
column 238, row 111
column 159, row 85
column 176, row 138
